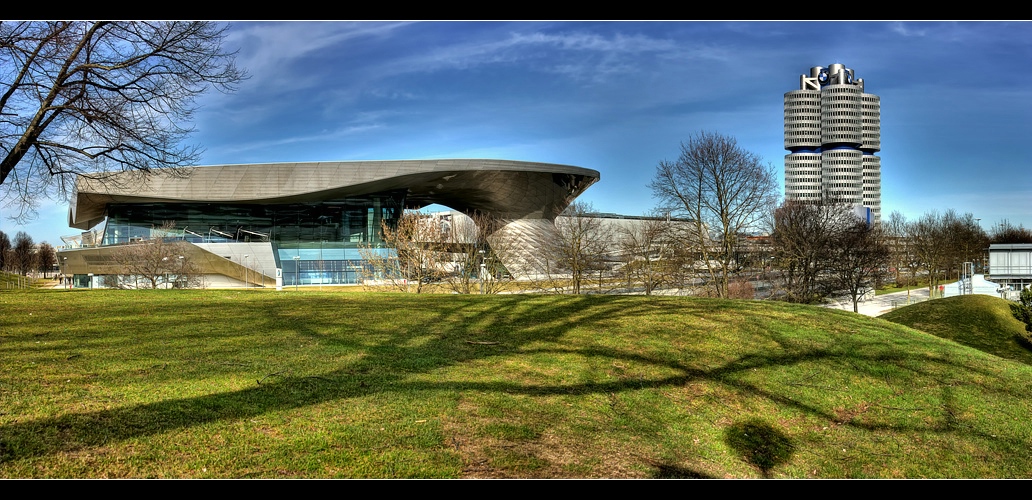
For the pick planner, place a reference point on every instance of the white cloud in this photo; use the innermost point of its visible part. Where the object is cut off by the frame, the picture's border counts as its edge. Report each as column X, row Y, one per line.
column 328, row 135
column 907, row 29
column 269, row 50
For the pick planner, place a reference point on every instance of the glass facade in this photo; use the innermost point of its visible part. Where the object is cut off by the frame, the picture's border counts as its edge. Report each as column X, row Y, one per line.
column 325, row 237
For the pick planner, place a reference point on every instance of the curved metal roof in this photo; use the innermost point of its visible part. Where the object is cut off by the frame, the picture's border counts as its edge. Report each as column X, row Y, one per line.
column 504, row 188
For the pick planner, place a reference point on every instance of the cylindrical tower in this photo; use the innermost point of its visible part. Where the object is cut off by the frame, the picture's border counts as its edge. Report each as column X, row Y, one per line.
column 842, row 175
column 832, row 132
column 871, row 114
column 803, row 176
column 802, row 119
column 840, row 116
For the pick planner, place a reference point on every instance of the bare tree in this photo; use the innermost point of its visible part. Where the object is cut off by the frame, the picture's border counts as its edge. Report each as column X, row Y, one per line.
column 23, row 255
column 928, row 238
column 1005, row 232
column 649, row 252
column 83, row 97
column 724, row 189
column 5, row 250
column 159, row 262
column 46, row 258
column 411, row 256
column 896, row 231
column 577, row 248
column 943, row 242
column 803, row 238
column 966, row 241
column 859, row 254
column 685, row 268
column 472, row 261
column 467, row 246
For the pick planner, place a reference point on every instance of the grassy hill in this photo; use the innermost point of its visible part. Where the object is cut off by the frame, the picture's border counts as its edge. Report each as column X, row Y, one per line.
column 10, row 281
column 980, row 321
column 216, row 383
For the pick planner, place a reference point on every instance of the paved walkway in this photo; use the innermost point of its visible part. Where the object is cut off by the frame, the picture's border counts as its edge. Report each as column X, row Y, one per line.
column 882, row 304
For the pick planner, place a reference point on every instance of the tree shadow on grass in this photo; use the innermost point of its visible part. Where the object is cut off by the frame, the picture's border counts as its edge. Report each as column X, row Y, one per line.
column 667, row 471
column 422, row 336
column 425, row 335
column 759, row 444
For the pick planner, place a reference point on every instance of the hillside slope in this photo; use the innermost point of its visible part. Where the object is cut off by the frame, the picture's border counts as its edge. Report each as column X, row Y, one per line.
column 980, row 321
column 226, row 384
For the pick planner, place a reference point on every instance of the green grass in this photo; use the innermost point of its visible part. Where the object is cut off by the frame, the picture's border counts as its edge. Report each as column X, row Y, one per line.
column 216, row 383
column 893, row 289
column 980, row 321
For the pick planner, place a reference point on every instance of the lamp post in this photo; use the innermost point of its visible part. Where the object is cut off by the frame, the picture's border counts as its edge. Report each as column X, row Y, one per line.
column 297, row 272
column 164, row 264
column 245, row 271
column 483, row 269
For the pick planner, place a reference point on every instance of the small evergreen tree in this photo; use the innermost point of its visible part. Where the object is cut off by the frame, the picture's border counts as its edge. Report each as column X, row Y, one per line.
column 1024, row 308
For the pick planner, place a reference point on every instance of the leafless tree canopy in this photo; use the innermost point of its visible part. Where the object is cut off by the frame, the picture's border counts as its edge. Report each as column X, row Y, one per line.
column 5, row 250
column 413, row 256
column 160, row 262
column 1005, row 232
column 724, row 189
column 821, row 248
column 451, row 252
column 46, row 258
column 576, row 249
column 650, row 253
column 942, row 242
column 858, row 260
column 23, row 255
column 803, row 238
column 83, row 97
column 472, row 263
column 896, row 231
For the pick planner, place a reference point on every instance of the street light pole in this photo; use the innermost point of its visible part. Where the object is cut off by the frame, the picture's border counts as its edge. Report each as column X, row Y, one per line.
column 297, row 272
column 245, row 271
column 483, row 268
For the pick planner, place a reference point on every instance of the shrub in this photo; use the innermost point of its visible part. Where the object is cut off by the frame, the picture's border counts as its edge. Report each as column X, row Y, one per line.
column 1023, row 310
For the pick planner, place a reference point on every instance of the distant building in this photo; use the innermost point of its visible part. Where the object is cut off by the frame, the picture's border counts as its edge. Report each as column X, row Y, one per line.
column 1010, row 264
column 616, row 227
column 832, row 132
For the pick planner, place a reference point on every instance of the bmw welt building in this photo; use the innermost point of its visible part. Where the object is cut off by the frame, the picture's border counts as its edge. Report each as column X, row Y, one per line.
column 304, row 223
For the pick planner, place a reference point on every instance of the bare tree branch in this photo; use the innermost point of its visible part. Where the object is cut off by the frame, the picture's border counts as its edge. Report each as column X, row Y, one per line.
column 724, row 189
column 575, row 249
column 84, row 97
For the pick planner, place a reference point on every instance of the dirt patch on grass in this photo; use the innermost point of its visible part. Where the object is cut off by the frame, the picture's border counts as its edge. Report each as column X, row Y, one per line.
column 547, row 454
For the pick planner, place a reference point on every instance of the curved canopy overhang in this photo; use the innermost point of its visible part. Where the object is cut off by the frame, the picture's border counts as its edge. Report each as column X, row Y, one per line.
column 503, row 188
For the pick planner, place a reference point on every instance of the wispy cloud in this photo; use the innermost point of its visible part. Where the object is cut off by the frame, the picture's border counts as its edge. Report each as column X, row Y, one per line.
column 271, row 50
column 329, row 135
column 908, row 29
column 552, row 50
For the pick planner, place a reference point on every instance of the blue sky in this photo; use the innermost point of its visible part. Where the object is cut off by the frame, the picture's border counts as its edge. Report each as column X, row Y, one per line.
column 618, row 97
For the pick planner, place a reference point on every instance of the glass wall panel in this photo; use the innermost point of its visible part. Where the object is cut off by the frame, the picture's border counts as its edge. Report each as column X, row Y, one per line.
column 325, row 236
column 352, row 221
